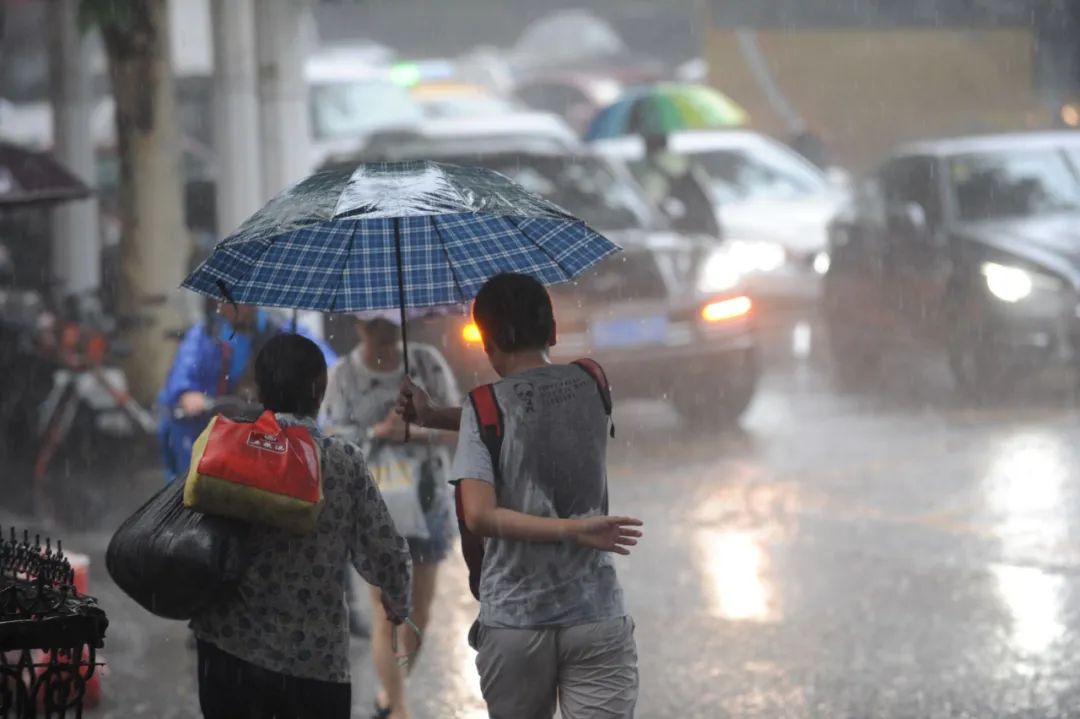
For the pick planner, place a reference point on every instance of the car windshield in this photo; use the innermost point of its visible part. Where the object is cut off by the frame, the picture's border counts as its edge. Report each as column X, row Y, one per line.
column 758, row 173
column 586, row 187
column 1013, row 183
column 347, row 109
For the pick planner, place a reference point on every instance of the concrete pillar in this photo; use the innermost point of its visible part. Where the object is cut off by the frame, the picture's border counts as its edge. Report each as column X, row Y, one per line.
column 283, row 37
column 284, row 32
column 76, row 239
column 237, row 147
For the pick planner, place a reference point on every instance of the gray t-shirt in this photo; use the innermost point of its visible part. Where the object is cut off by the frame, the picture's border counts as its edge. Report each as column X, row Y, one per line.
column 552, row 465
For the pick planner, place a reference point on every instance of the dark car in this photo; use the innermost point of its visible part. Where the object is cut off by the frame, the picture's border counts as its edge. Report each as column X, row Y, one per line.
column 666, row 316
column 970, row 245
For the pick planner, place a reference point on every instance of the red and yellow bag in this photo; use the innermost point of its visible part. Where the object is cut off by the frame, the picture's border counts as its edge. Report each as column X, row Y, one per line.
column 258, row 472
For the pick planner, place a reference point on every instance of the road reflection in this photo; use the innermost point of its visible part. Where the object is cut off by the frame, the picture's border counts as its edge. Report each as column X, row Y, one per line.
column 1026, row 492
column 737, row 525
column 1034, row 599
column 738, row 576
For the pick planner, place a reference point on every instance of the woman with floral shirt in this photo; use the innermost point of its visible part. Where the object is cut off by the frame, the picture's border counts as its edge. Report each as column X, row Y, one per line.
column 278, row 646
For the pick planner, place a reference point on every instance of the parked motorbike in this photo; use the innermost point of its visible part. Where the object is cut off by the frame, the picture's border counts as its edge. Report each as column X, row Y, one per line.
column 88, row 419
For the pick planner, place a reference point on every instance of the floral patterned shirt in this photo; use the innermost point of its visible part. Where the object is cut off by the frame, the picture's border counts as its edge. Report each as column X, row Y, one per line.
column 289, row 614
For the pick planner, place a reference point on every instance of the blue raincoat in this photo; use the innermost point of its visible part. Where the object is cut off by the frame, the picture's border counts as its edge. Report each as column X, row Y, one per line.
column 202, row 364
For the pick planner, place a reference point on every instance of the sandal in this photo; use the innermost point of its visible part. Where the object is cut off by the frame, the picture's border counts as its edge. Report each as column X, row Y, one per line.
column 381, row 712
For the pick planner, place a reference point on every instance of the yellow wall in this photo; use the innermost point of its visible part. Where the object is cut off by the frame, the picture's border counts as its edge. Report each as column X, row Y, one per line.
column 864, row 91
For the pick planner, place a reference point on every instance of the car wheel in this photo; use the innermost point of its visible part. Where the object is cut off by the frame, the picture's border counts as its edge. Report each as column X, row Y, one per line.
column 856, row 357
column 978, row 370
column 722, row 403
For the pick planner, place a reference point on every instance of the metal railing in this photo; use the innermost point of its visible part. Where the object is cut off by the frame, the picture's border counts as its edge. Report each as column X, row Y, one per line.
column 49, row 633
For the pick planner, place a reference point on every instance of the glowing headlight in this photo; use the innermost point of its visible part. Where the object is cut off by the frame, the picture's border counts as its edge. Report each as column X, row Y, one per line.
column 822, row 263
column 1008, row 284
column 756, row 256
column 718, row 274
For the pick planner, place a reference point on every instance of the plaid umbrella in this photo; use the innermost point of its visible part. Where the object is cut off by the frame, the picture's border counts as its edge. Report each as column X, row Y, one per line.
column 395, row 235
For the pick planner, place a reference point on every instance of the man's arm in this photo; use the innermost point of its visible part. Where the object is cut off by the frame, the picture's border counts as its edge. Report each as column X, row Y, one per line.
column 485, row 518
column 414, row 404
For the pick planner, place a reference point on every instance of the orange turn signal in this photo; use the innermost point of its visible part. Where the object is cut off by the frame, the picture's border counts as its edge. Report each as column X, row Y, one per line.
column 726, row 309
column 471, row 334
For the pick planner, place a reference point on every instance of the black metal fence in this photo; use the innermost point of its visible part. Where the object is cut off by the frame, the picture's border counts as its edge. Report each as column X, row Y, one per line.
column 49, row 633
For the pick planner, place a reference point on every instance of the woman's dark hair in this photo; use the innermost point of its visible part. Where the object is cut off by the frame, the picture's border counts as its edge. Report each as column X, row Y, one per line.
column 514, row 312
column 290, row 374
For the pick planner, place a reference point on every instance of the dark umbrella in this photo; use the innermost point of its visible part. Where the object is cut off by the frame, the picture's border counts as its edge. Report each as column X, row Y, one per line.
column 35, row 178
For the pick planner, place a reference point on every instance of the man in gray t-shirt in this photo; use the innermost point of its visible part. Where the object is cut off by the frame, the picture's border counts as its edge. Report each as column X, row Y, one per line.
column 552, row 626
column 552, row 465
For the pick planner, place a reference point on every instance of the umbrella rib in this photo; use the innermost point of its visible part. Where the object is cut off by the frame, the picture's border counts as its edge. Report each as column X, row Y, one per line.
column 449, row 260
column 543, row 249
column 348, row 256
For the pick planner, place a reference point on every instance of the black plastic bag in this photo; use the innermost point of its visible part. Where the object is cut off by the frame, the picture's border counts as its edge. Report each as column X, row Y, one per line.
column 175, row 561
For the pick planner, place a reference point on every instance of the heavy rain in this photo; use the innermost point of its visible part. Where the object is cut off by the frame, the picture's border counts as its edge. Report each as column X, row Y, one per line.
column 654, row 358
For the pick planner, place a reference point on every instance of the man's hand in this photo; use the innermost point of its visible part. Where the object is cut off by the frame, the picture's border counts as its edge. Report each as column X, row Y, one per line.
column 607, row 534
column 193, row 403
column 391, row 428
column 414, row 404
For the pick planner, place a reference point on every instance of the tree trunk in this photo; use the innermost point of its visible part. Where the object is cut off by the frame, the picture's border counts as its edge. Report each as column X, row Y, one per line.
column 155, row 246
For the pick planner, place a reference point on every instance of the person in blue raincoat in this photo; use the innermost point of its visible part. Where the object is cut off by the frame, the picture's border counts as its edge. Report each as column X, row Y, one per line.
column 211, row 361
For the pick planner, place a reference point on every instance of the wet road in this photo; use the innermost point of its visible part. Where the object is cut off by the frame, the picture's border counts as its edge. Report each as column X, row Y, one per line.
column 885, row 555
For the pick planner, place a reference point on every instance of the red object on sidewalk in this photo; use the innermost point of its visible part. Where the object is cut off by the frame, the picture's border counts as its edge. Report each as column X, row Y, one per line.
column 80, row 563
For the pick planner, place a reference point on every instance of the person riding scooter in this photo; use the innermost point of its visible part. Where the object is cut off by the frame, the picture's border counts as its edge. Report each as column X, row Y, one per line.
column 213, row 361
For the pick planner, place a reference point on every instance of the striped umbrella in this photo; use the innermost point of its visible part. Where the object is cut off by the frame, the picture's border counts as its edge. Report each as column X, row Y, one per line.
column 663, row 109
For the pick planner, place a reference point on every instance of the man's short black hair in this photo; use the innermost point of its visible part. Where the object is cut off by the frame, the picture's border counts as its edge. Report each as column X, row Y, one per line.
column 290, row 374
column 514, row 313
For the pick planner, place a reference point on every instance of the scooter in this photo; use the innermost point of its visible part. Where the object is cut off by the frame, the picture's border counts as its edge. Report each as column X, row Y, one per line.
column 88, row 415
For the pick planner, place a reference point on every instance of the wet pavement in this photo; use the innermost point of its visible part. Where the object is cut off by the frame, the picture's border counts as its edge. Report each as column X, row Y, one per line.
column 894, row 554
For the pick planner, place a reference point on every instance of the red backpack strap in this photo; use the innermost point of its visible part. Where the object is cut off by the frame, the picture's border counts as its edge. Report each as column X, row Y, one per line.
column 489, row 422
column 594, row 370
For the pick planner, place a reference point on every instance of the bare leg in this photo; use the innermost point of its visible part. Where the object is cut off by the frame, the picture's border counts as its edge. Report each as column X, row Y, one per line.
column 423, row 592
column 391, row 676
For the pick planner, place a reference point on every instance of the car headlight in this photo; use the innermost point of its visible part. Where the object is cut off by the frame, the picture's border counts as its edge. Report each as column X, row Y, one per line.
column 718, row 274
column 1007, row 283
column 822, row 263
column 756, row 255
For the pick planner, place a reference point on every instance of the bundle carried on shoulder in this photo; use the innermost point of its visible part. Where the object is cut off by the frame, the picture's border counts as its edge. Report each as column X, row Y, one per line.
column 176, row 562
column 258, row 472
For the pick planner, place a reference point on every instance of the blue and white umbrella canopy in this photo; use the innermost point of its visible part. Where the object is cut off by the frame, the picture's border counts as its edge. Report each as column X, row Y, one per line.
column 348, row 240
